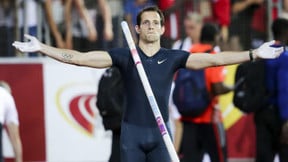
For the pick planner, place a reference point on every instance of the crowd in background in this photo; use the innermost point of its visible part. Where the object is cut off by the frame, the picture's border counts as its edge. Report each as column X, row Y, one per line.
column 95, row 24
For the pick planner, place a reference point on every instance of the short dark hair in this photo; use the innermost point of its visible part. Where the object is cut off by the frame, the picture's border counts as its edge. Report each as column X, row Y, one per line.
column 153, row 9
column 209, row 32
column 279, row 28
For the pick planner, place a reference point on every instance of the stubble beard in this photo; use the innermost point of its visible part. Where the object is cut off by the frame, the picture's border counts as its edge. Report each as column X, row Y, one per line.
column 151, row 38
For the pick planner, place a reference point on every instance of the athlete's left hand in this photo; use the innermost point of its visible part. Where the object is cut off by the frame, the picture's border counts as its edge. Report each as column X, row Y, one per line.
column 268, row 51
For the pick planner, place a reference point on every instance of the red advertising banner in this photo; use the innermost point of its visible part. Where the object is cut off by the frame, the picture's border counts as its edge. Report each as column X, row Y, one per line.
column 26, row 81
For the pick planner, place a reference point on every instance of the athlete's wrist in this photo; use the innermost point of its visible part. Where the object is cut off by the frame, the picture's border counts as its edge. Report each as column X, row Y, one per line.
column 252, row 55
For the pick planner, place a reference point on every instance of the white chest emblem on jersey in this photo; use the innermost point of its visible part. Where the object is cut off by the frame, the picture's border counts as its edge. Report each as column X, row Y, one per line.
column 161, row 61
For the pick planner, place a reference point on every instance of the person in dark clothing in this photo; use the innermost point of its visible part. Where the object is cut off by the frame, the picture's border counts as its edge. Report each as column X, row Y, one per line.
column 240, row 30
column 271, row 121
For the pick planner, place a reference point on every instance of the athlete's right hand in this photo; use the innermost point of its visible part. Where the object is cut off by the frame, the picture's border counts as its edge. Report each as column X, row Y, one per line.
column 33, row 45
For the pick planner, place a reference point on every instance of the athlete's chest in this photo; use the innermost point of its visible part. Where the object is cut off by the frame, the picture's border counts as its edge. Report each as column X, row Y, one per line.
column 158, row 61
column 158, row 67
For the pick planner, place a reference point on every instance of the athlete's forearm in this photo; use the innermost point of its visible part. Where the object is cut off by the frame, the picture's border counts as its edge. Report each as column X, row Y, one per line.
column 63, row 55
column 230, row 58
column 96, row 59
column 199, row 61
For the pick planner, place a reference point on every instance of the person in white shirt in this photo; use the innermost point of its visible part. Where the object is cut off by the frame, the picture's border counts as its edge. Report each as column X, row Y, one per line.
column 9, row 118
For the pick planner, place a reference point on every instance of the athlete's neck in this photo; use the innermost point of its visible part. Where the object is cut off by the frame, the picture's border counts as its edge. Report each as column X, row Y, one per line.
column 149, row 49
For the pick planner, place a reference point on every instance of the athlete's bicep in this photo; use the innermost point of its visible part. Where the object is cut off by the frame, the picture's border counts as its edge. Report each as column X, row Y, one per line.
column 97, row 59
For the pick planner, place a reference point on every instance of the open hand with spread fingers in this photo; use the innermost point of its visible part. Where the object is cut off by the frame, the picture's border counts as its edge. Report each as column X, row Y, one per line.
column 269, row 50
column 33, row 45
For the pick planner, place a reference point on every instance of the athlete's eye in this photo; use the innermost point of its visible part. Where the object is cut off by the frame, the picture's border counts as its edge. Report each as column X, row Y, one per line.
column 147, row 23
column 156, row 23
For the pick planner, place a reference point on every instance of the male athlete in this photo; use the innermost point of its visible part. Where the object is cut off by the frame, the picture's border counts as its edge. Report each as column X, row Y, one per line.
column 141, row 140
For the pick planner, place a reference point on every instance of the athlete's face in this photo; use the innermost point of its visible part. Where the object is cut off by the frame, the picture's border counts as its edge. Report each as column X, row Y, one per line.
column 150, row 28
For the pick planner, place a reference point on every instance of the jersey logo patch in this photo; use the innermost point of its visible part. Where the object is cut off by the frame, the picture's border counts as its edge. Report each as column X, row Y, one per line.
column 161, row 61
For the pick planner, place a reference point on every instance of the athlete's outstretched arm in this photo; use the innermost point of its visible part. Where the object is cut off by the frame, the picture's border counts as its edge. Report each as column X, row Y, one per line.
column 97, row 59
column 265, row 51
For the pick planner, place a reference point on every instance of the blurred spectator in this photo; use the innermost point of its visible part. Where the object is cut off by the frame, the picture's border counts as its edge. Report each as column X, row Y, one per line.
column 212, row 11
column 110, row 103
column 8, row 21
column 9, row 120
column 117, row 8
column 55, row 15
column 131, row 9
column 271, row 120
column 101, row 14
column 117, row 11
column 169, row 8
column 81, row 30
column 27, row 15
column 192, row 27
column 242, row 16
column 221, row 15
column 259, row 25
column 284, row 13
column 206, row 133
column 74, row 23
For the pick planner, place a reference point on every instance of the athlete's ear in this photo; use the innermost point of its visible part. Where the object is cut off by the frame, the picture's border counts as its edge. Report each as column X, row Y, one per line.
column 137, row 28
column 162, row 30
